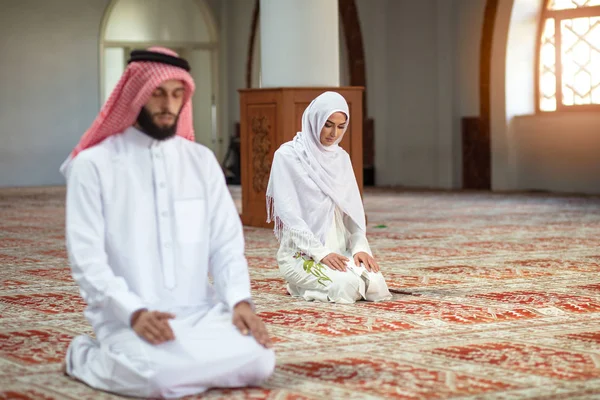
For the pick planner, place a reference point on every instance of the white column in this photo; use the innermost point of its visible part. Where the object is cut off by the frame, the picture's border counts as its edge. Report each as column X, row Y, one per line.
column 299, row 43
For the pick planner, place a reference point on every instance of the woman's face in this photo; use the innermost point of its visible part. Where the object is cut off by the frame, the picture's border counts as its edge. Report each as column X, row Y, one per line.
column 333, row 128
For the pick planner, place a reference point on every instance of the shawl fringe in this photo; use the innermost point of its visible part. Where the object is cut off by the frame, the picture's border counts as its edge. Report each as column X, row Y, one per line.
column 291, row 239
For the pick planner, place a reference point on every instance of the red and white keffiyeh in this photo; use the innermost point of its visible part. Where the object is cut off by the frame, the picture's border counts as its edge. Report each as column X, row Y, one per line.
column 129, row 96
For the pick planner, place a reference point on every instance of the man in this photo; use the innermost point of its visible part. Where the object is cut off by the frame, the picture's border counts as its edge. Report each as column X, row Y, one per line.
column 148, row 219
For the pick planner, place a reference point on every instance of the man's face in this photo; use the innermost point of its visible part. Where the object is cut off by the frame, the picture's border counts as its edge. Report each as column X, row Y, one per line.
column 158, row 117
column 165, row 103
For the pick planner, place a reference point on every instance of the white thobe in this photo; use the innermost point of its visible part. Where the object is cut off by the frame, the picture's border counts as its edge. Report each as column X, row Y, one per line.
column 317, row 281
column 146, row 222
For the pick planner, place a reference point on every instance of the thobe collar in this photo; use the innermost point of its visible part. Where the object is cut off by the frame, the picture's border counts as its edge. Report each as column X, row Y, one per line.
column 141, row 139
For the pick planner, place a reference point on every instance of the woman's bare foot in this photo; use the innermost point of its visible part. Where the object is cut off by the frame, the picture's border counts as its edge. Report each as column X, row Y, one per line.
column 63, row 368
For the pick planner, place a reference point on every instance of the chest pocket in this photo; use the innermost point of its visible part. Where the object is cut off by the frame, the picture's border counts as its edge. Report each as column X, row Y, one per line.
column 190, row 220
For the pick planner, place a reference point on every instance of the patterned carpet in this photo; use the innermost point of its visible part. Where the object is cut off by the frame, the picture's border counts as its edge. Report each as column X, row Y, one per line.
column 496, row 297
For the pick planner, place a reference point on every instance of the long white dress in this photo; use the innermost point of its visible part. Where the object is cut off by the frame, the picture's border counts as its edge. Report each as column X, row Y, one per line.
column 307, row 277
column 147, row 221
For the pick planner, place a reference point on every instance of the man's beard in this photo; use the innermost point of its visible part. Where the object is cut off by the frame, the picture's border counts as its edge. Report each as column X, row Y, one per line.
column 148, row 126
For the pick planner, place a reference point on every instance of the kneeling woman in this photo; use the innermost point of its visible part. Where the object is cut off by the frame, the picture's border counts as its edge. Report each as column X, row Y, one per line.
column 314, row 200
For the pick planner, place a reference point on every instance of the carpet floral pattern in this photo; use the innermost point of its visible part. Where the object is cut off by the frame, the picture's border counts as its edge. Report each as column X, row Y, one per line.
column 496, row 296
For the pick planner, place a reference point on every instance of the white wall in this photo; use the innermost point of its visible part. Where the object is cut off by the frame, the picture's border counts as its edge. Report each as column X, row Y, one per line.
column 469, row 25
column 236, row 20
column 400, row 47
column 411, row 135
column 374, row 26
column 558, row 152
column 422, row 63
column 49, row 85
column 512, row 90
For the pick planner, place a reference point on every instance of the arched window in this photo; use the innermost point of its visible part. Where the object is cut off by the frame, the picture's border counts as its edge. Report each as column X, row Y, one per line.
column 569, row 56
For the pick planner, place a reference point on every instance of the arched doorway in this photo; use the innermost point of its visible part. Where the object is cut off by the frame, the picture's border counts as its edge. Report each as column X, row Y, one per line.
column 185, row 26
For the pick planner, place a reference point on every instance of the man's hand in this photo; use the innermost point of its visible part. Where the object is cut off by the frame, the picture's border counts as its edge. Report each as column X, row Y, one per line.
column 153, row 326
column 335, row 261
column 249, row 323
column 367, row 261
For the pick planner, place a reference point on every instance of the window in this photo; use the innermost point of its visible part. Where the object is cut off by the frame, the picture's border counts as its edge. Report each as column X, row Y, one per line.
column 569, row 56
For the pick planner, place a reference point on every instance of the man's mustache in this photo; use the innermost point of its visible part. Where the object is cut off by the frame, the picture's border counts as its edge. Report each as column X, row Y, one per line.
column 160, row 114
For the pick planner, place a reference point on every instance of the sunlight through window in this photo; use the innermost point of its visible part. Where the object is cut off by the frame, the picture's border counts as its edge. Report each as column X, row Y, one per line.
column 571, row 32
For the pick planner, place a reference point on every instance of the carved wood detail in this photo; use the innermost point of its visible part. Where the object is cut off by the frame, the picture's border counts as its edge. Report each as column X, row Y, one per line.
column 261, row 147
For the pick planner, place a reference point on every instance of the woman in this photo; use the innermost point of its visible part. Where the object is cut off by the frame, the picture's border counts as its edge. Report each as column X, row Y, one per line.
column 314, row 200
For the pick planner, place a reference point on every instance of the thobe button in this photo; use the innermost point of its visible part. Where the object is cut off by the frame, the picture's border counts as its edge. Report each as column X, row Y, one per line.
column 167, row 245
column 164, row 214
column 162, row 185
column 156, row 155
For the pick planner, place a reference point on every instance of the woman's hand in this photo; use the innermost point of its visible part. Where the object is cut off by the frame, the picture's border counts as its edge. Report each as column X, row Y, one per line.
column 335, row 261
column 366, row 260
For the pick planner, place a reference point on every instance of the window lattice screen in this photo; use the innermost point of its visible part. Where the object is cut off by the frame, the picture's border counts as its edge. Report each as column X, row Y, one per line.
column 569, row 55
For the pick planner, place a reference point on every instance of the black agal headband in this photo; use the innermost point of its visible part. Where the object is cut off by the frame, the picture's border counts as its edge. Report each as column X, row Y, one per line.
column 145, row 55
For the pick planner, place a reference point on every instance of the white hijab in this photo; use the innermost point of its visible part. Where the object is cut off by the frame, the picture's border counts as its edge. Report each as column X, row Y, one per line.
column 308, row 179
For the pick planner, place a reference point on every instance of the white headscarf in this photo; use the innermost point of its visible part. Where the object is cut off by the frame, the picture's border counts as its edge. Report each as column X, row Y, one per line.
column 308, row 179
